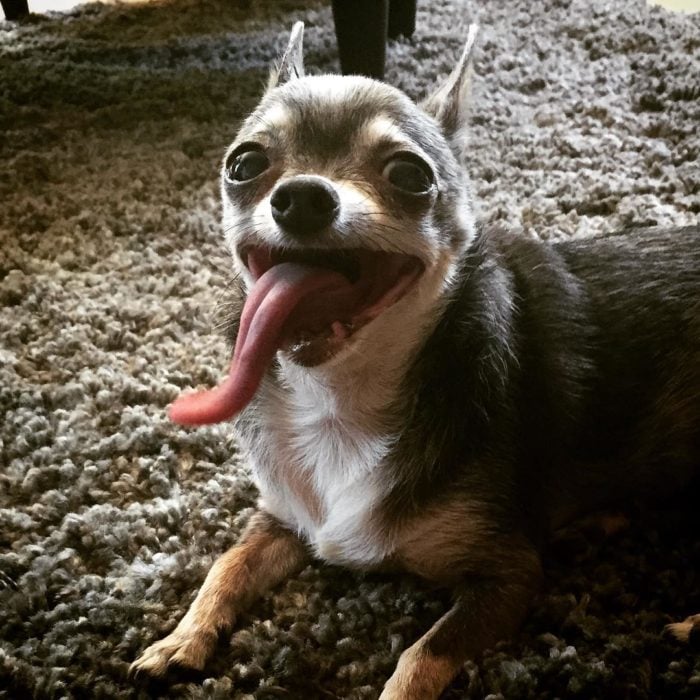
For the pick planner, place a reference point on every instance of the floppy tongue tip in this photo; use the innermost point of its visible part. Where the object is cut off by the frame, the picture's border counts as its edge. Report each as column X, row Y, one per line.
column 213, row 405
column 272, row 300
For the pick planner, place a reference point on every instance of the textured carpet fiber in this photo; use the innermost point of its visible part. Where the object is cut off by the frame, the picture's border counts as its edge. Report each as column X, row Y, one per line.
column 112, row 124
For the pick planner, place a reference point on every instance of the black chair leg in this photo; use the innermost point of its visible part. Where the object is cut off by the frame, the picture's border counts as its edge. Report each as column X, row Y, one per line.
column 361, row 30
column 402, row 18
column 15, row 9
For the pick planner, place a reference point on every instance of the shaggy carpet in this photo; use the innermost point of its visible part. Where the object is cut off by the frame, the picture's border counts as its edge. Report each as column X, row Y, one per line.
column 113, row 121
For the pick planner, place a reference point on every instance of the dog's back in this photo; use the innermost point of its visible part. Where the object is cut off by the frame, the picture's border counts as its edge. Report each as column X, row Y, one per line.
column 642, row 293
column 574, row 365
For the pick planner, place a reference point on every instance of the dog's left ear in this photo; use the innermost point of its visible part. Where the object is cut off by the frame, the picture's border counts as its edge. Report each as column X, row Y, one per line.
column 449, row 103
column 291, row 64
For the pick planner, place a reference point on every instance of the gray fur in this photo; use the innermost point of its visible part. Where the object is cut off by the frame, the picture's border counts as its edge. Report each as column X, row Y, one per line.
column 322, row 135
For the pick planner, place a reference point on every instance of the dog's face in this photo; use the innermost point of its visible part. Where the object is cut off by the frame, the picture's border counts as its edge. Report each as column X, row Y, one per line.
column 348, row 176
column 347, row 212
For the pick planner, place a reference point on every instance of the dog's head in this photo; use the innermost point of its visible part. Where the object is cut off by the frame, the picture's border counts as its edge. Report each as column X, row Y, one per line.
column 347, row 211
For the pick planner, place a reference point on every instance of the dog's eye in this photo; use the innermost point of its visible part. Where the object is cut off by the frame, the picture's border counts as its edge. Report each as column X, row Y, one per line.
column 409, row 173
column 246, row 165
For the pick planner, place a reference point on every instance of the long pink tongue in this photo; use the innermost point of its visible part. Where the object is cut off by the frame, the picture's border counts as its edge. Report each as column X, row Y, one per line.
column 271, row 302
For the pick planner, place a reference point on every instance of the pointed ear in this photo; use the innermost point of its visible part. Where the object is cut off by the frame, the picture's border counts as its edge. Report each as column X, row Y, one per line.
column 291, row 63
column 448, row 104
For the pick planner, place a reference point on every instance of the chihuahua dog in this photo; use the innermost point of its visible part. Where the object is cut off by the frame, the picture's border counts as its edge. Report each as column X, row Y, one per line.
column 419, row 394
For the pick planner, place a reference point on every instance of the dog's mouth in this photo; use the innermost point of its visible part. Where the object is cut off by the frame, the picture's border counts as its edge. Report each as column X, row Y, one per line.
column 333, row 293
column 306, row 303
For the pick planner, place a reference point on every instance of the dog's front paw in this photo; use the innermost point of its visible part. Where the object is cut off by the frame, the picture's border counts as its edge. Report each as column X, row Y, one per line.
column 186, row 647
column 419, row 675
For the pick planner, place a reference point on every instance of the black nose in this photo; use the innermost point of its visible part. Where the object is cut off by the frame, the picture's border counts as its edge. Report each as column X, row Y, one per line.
column 304, row 205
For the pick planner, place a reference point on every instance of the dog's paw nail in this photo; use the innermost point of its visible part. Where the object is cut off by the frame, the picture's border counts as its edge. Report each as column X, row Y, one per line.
column 146, row 665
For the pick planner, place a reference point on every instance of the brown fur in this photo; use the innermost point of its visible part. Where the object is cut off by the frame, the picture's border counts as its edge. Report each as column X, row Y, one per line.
column 420, row 673
column 489, row 608
column 432, row 544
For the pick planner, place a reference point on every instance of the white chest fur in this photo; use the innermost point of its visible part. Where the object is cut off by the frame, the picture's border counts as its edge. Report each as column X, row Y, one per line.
column 317, row 469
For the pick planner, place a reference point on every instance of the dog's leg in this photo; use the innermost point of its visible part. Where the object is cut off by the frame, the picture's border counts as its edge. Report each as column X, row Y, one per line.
column 266, row 554
column 482, row 614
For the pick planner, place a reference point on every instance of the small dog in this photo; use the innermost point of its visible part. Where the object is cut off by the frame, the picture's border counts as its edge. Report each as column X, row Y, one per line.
column 418, row 394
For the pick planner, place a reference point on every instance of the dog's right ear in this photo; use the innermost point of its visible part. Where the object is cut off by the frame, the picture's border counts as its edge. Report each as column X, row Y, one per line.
column 291, row 64
column 449, row 103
